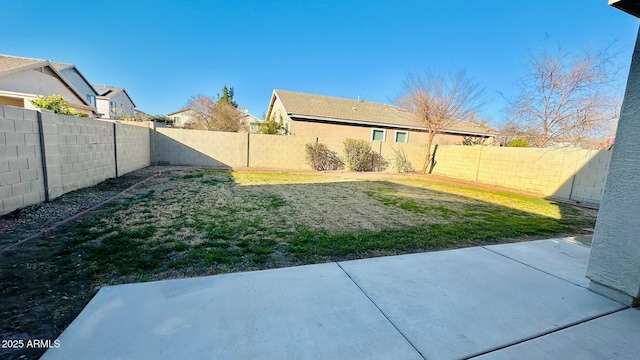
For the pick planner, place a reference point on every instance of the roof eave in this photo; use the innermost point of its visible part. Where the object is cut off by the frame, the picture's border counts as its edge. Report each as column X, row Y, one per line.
column 387, row 125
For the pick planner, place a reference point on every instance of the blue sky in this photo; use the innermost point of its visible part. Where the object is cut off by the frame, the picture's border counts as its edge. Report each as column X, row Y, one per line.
column 165, row 51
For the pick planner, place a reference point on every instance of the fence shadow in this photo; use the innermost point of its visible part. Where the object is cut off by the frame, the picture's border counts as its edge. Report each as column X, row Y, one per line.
column 166, row 150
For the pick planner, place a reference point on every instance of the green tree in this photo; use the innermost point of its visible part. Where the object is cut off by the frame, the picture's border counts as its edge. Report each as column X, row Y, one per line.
column 57, row 104
column 273, row 127
column 227, row 97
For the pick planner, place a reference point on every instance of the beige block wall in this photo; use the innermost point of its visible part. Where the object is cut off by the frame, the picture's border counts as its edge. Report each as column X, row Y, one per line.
column 544, row 171
column 21, row 176
column 133, row 147
column 590, row 179
column 548, row 172
column 278, row 152
column 199, row 148
column 460, row 162
column 79, row 152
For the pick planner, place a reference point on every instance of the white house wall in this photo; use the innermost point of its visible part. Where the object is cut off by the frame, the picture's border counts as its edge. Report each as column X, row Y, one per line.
column 102, row 104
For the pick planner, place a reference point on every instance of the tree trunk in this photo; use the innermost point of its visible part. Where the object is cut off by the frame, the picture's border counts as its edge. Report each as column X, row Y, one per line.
column 427, row 159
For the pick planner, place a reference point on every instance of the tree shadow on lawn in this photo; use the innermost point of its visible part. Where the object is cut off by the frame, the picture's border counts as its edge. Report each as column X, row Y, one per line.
column 209, row 222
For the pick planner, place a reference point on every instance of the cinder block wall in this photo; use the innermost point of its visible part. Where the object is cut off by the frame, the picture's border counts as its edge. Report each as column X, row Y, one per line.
column 548, row 172
column 21, row 176
column 133, row 147
column 544, row 171
column 199, row 148
column 80, row 152
column 590, row 180
column 278, row 152
column 460, row 162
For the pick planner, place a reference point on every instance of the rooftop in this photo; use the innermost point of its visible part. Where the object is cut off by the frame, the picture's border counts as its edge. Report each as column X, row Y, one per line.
column 14, row 62
column 304, row 105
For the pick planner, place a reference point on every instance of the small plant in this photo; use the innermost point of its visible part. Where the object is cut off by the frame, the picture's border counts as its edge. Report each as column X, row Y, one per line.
column 378, row 163
column 401, row 162
column 57, row 104
column 273, row 127
column 357, row 154
column 322, row 159
column 518, row 142
column 360, row 157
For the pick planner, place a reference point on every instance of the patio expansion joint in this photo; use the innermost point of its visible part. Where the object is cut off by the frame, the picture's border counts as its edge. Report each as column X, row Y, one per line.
column 532, row 267
column 547, row 333
column 382, row 312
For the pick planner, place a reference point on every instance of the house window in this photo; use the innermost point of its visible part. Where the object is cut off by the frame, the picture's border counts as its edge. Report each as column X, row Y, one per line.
column 91, row 99
column 378, row 134
column 401, row 137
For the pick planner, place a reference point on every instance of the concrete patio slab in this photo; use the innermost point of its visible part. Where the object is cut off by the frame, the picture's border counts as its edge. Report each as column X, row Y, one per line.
column 614, row 336
column 564, row 258
column 306, row 312
column 462, row 303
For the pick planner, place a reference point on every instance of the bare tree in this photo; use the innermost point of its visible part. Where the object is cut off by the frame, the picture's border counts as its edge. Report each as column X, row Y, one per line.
column 566, row 97
column 210, row 114
column 437, row 101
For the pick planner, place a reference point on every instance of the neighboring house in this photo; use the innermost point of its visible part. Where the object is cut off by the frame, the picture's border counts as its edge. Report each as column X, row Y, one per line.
column 25, row 79
column 75, row 77
column 180, row 118
column 330, row 117
column 114, row 102
column 252, row 123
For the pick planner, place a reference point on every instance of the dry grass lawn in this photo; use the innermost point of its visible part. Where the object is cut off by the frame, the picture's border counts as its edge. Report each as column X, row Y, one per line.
column 207, row 222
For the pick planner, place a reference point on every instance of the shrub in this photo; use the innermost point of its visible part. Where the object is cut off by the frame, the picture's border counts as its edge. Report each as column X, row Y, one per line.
column 273, row 127
column 57, row 104
column 401, row 162
column 473, row 140
column 519, row 142
column 379, row 163
column 360, row 157
column 321, row 158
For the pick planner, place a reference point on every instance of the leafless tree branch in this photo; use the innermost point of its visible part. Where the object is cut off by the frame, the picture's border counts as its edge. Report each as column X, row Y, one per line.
column 437, row 100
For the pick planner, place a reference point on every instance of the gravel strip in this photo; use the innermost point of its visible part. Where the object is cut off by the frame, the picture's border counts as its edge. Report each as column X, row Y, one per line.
column 32, row 219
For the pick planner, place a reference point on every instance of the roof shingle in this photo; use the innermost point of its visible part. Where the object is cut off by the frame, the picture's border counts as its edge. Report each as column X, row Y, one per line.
column 8, row 63
column 303, row 105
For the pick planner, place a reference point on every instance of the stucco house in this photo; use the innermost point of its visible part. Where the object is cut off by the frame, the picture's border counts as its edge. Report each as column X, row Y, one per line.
column 252, row 123
column 114, row 102
column 26, row 79
column 79, row 82
column 321, row 116
column 180, row 118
